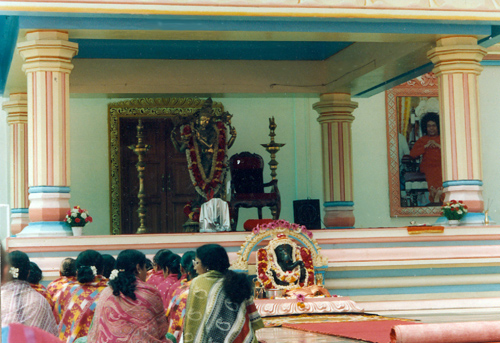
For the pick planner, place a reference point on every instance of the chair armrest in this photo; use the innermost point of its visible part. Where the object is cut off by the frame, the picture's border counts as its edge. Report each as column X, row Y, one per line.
column 272, row 183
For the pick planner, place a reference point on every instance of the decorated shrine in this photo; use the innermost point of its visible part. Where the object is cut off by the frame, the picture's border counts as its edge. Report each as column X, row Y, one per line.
column 290, row 271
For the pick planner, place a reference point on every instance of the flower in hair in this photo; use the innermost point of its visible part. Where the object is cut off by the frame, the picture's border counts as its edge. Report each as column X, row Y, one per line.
column 114, row 274
column 14, row 272
column 94, row 270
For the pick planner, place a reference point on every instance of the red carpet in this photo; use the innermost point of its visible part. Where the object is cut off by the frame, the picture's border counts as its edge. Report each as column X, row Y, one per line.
column 371, row 331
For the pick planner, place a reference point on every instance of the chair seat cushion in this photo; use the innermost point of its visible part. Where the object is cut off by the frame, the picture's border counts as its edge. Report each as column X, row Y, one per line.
column 251, row 223
column 255, row 196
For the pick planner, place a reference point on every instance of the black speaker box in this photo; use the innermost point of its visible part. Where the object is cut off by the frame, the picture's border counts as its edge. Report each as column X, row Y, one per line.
column 307, row 213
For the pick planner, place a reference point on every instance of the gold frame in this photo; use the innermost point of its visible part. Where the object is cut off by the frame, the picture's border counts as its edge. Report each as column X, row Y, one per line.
column 423, row 86
column 141, row 108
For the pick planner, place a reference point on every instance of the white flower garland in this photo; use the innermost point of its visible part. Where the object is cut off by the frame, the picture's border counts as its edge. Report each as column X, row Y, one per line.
column 14, row 272
column 94, row 270
column 114, row 274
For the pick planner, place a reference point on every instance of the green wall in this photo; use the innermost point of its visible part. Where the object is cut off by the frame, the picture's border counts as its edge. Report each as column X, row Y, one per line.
column 299, row 170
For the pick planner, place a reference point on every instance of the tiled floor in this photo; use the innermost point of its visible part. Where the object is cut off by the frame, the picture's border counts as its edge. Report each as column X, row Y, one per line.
column 284, row 335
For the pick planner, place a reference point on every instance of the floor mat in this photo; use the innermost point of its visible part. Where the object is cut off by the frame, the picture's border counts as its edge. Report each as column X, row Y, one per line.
column 374, row 331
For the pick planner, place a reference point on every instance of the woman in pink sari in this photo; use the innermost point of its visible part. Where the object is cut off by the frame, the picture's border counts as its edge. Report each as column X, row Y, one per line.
column 156, row 277
column 129, row 310
column 171, row 266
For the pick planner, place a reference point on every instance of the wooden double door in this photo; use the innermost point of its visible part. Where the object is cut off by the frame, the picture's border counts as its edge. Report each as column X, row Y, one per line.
column 167, row 184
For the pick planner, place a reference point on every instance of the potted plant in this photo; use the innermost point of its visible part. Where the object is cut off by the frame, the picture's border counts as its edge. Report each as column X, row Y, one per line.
column 77, row 218
column 454, row 211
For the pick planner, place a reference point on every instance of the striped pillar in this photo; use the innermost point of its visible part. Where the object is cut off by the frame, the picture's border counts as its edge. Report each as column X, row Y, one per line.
column 457, row 67
column 17, row 110
column 47, row 58
column 335, row 116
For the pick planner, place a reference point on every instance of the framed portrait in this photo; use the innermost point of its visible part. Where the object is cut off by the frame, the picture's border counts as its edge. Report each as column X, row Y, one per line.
column 407, row 106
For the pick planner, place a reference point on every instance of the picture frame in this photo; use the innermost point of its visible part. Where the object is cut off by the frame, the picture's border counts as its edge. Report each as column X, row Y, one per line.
column 407, row 186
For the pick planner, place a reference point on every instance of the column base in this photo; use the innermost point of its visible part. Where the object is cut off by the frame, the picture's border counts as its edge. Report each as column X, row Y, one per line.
column 19, row 219
column 46, row 229
column 48, row 203
column 469, row 191
column 339, row 215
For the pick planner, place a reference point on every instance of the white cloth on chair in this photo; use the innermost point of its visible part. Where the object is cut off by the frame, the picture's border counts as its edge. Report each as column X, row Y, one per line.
column 214, row 216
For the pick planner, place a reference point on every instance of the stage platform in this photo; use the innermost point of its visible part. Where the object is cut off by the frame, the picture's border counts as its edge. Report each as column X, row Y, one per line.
column 320, row 305
column 381, row 269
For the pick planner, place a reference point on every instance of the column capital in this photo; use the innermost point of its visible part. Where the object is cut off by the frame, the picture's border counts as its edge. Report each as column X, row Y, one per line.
column 47, row 50
column 335, row 107
column 17, row 108
column 457, row 54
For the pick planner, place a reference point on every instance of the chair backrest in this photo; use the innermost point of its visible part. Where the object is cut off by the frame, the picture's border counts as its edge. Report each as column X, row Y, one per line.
column 247, row 172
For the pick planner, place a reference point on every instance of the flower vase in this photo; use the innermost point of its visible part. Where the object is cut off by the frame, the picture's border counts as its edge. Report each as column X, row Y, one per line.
column 77, row 230
column 453, row 222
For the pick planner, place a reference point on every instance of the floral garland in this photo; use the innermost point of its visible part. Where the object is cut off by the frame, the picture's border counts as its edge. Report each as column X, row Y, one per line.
column 267, row 257
column 206, row 184
column 192, row 213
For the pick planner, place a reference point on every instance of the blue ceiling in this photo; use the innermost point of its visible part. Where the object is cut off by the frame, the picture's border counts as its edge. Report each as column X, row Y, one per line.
column 207, row 50
column 215, row 49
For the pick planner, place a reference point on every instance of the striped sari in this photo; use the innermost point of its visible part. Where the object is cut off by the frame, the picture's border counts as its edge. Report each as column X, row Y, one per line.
column 212, row 317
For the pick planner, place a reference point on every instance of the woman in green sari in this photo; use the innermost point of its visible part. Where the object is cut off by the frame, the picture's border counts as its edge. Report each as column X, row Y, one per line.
column 219, row 307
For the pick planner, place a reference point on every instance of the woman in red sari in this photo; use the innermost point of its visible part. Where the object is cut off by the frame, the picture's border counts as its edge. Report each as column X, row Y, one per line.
column 129, row 310
column 67, row 275
column 186, row 265
column 171, row 266
column 177, row 301
column 77, row 301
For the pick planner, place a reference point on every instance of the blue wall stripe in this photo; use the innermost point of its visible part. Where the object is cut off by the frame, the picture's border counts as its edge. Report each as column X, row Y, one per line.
column 418, row 290
column 382, row 273
column 490, row 63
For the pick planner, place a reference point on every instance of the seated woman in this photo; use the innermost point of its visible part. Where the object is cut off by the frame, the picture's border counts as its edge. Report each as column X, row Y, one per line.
column 156, row 277
column 171, row 266
column 77, row 302
column 219, row 307
column 34, row 278
column 22, row 304
column 186, row 265
column 177, row 301
column 129, row 310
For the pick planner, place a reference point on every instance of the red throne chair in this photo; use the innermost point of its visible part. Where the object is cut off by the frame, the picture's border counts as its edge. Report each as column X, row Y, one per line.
column 247, row 187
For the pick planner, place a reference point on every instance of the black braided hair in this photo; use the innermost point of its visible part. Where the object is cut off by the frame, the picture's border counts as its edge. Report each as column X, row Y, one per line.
column 126, row 265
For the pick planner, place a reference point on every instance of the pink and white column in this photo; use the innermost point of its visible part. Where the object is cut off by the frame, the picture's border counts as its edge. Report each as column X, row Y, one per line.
column 457, row 67
column 17, row 110
column 47, row 58
column 336, row 117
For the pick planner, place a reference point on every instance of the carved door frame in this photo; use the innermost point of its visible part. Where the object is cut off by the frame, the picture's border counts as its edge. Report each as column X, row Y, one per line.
column 138, row 108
